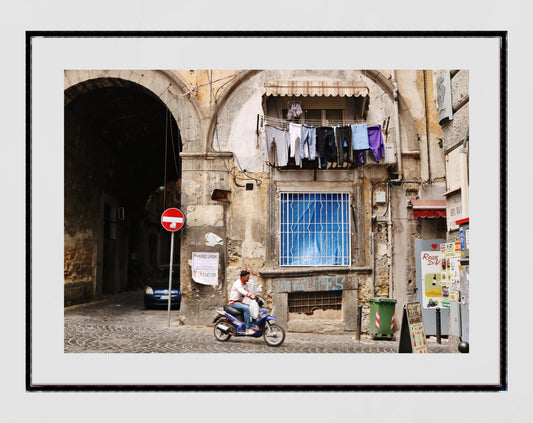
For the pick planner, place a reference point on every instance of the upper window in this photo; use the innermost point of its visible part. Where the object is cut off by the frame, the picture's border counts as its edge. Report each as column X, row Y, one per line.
column 327, row 144
column 315, row 229
column 319, row 117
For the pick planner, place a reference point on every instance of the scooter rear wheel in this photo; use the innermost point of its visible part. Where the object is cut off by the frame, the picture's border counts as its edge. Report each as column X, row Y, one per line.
column 274, row 335
column 220, row 334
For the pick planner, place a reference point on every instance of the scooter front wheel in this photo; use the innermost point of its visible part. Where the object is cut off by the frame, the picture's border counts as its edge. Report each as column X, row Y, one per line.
column 221, row 331
column 274, row 335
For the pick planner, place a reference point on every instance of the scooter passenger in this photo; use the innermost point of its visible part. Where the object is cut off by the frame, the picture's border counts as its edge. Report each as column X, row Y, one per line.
column 239, row 290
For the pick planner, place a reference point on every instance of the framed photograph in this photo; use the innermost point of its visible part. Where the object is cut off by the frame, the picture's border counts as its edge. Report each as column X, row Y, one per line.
column 123, row 125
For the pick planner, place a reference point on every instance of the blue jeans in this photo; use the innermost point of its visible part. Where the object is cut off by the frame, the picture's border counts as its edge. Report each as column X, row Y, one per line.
column 308, row 136
column 246, row 310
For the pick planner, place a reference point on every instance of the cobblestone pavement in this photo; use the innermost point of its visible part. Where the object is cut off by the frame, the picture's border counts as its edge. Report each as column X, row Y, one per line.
column 120, row 324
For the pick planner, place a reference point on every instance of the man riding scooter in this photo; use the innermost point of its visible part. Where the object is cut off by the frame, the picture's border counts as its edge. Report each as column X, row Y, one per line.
column 239, row 290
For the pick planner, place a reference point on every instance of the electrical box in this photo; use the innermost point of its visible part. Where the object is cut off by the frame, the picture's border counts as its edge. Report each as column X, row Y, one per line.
column 380, row 197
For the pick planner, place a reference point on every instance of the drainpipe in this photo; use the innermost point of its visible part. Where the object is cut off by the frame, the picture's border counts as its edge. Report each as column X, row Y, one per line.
column 398, row 179
column 397, row 125
column 389, row 239
column 373, row 265
column 427, row 126
column 463, row 162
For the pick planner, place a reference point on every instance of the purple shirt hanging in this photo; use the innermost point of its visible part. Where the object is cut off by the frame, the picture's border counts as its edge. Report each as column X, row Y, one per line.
column 375, row 141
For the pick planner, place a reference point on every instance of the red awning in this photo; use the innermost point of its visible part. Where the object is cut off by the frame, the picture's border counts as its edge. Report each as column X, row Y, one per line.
column 428, row 208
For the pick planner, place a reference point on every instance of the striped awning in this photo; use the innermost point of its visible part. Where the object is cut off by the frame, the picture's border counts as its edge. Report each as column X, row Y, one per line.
column 428, row 208
column 316, row 88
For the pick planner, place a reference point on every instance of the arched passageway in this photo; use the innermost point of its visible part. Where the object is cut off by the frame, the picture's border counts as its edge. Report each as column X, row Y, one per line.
column 122, row 169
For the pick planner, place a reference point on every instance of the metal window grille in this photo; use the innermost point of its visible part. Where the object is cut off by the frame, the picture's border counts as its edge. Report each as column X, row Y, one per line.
column 308, row 302
column 315, row 229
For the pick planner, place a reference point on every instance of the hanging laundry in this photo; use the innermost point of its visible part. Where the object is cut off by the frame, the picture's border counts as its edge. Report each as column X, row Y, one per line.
column 308, row 143
column 295, row 110
column 295, row 137
column 360, row 136
column 276, row 145
column 360, row 139
column 343, row 136
column 326, row 146
column 375, row 141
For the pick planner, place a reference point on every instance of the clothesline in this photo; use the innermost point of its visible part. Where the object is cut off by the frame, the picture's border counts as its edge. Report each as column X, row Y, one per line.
column 283, row 123
column 326, row 143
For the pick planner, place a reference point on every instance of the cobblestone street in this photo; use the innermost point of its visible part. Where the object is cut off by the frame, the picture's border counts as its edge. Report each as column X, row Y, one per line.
column 120, row 324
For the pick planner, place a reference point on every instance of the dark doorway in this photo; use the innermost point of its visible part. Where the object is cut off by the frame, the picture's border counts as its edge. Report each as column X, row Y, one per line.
column 152, row 253
column 122, row 148
column 108, row 278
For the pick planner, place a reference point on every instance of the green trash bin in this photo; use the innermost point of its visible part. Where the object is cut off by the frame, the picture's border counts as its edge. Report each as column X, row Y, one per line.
column 382, row 317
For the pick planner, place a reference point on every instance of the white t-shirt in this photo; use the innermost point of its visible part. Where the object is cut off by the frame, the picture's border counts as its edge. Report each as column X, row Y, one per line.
column 238, row 292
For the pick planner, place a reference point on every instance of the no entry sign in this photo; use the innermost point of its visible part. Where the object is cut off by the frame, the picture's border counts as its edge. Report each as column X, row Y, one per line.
column 172, row 219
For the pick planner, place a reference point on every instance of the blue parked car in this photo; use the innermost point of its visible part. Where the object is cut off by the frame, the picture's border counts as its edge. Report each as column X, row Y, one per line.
column 156, row 290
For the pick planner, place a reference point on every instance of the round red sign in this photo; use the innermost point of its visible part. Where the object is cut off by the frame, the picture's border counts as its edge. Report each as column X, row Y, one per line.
column 172, row 219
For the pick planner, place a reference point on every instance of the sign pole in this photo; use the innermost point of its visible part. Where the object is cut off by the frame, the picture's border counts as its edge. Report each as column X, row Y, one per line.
column 170, row 274
column 172, row 220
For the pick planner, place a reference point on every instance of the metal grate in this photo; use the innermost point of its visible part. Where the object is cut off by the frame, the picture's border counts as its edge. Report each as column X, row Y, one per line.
column 308, row 302
column 315, row 229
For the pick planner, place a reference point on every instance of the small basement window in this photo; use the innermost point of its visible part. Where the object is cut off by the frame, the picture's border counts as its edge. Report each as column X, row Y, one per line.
column 309, row 302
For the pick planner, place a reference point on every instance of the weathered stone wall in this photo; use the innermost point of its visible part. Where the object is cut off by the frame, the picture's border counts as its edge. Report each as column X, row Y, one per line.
column 201, row 176
column 418, row 97
column 79, row 261
column 79, row 218
column 454, row 132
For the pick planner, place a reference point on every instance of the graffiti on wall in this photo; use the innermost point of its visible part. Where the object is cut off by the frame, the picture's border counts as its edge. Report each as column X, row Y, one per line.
column 322, row 283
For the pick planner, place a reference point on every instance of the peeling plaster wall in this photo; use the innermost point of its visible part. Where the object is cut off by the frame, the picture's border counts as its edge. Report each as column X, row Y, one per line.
column 200, row 177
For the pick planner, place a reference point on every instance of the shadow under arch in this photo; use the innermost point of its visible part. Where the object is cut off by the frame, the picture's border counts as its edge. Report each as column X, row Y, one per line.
column 163, row 84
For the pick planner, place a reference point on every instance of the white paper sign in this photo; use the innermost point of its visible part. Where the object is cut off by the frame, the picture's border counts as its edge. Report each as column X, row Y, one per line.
column 205, row 268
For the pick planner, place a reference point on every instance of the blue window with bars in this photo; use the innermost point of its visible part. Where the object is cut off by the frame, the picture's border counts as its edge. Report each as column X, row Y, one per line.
column 315, row 229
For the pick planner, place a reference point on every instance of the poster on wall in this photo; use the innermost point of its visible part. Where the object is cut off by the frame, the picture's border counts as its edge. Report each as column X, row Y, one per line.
column 450, row 254
column 432, row 292
column 454, row 279
column 205, row 268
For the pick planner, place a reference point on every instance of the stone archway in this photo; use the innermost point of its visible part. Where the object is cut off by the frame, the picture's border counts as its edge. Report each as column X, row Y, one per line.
column 114, row 153
column 166, row 85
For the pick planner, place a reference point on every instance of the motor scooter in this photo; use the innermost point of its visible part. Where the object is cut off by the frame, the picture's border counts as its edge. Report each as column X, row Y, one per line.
column 230, row 322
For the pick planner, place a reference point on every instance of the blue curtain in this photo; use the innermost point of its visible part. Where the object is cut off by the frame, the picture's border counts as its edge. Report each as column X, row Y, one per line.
column 315, row 229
